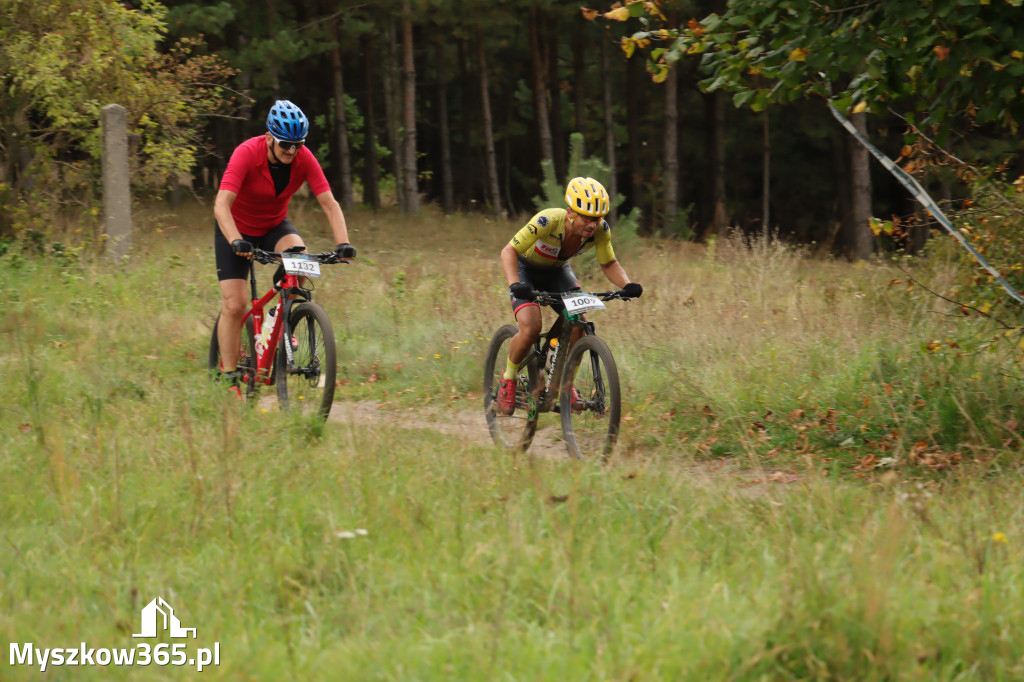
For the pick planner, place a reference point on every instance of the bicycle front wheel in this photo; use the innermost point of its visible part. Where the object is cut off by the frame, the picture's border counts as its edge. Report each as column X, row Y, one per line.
column 305, row 384
column 590, row 419
column 512, row 432
column 246, row 355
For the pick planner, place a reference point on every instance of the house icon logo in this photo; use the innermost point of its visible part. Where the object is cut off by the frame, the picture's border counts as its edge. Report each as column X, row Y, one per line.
column 159, row 612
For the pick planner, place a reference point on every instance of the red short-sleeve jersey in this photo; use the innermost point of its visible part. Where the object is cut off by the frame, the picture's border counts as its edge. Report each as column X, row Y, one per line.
column 257, row 207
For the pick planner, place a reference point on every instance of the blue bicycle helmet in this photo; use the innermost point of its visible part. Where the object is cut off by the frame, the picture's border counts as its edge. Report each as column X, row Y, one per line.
column 287, row 122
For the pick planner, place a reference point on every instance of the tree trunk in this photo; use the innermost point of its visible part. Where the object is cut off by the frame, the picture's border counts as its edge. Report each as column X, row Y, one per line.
column 671, row 158
column 412, row 194
column 392, row 112
column 861, row 241
column 766, row 167
column 539, row 89
column 344, row 166
column 720, row 220
column 716, row 152
column 469, row 158
column 557, row 129
column 493, row 188
column 609, row 125
column 635, row 72
column 447, row 184
column 830, row 237
column 579, row 70
column 371, row 177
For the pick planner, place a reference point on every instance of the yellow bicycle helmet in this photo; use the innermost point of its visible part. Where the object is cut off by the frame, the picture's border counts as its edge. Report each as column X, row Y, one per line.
column 587, row 196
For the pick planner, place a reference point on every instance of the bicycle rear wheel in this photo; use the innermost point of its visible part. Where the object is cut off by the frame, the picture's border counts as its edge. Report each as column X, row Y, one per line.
column 246, row 355
column 306, row 384
column 513, row 432
column 591, row 428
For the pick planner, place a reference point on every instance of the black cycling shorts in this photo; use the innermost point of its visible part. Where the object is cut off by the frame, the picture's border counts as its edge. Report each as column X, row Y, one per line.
column 558, row 279
column 232, row 266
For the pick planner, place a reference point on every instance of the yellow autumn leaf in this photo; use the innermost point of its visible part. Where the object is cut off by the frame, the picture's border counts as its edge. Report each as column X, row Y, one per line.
column 642, row 43
column 1017, row 54
column 798, row 54
column 661, row 74
column 628, row 46
column 860, row 107
column 589, row 14
column 619, row 14
column 652, row 8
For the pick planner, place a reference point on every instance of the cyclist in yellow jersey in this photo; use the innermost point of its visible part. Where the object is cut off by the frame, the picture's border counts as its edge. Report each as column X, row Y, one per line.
column 537, row 259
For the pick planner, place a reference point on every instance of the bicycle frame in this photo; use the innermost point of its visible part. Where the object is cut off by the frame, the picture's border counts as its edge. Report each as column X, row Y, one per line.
column 545, row 398
column 290, row 291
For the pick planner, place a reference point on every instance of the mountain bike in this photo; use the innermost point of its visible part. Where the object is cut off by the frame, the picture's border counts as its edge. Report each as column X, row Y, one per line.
column 303, row 368
column 548, row 374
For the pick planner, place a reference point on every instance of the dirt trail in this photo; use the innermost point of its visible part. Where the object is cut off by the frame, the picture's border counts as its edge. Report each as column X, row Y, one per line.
column 470, row 426
column 467, row 425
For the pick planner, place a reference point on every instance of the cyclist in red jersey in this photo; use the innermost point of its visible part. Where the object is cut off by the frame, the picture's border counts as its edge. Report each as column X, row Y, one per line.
column 538, row 256
column 251, row 210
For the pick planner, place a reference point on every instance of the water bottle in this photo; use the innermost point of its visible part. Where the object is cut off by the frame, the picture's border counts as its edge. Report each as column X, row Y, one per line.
column 549, row 361
column 263, row 340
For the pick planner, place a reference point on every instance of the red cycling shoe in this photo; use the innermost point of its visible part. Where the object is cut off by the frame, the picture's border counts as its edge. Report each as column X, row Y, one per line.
column 576, row 403
column 507, row 396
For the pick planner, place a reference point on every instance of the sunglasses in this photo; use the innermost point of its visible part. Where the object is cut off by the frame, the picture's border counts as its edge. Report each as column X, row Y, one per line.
column 289, row 146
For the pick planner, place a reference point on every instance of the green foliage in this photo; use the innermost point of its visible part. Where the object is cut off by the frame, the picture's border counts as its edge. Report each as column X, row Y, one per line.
column 61, row 62
column 553, row 193
column 993, row 222
column 941, row 60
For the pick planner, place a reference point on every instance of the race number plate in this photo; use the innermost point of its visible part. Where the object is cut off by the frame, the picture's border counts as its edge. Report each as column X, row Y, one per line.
column 300, row 266
column 581, row 303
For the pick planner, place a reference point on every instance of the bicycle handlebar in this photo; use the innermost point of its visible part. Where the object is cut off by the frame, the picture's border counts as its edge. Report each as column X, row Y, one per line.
column 268, row 257
column 555, row 298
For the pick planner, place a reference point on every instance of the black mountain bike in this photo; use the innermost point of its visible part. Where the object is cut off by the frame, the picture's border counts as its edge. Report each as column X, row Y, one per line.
column 547, row 376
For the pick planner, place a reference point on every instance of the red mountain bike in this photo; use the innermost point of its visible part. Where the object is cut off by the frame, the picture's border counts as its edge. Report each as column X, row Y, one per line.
column 303, row 367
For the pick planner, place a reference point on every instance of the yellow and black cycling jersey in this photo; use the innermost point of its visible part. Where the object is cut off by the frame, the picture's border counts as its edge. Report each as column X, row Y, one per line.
column 539, row 243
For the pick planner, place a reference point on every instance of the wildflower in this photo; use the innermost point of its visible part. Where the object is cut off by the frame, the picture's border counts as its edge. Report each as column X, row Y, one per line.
column 1000, row 537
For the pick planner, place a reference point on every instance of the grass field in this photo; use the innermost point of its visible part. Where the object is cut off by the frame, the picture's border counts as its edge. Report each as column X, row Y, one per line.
column 819, row 475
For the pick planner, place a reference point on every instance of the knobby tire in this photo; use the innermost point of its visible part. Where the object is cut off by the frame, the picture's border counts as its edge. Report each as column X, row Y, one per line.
column 513, row 432
column 307, row 387
column 592, row 432
column 246, row 356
